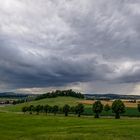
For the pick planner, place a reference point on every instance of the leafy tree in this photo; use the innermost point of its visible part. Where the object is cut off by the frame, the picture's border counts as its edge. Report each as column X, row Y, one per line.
column 97, row 108
column 139, row 107
column 107, row 108
column 24, row 109
column 31, row 109
column 66, row 109
column 38, row 109
column 50, row 109
column 79, row 109
column 60, row 109
column 41, row 108
column 55, row 109
column 118, row 108
column 72, row 109
column 46, row 108
column 14, row 102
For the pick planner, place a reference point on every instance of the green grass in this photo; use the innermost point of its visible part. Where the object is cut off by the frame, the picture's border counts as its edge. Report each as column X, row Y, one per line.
column 131, row 112
column 18, row 126
column 40, row 127
column 50, row 101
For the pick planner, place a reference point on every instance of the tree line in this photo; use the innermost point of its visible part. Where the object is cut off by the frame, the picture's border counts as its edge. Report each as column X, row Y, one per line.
column 66, row 109
column 117, row 107
column 57, row 93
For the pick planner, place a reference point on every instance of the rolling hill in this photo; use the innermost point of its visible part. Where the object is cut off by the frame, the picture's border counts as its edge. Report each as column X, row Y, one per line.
column 111, row 96
column 50, row 101
column 131, row 109
column 14, row 95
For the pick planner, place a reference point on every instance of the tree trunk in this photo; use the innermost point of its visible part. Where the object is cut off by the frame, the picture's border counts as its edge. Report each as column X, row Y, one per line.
column 117, row 116
column 66, row 114
column 96, row 115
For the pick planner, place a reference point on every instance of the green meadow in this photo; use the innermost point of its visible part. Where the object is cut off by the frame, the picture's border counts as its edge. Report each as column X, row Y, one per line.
column 41, row 127
column 61, row 101
column 14, row 125
column 50, row 101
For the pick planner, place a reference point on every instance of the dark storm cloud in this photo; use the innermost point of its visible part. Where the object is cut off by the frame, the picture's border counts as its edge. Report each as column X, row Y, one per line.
column 57, row 71
column 55, row 43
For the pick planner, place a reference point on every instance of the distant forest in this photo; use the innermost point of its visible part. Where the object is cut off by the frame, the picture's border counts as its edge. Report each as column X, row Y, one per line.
column 57, row 93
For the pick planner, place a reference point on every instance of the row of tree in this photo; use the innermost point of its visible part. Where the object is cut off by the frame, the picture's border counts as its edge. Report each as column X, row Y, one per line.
column 117, row 107
column 57, row 93
column 66, row 109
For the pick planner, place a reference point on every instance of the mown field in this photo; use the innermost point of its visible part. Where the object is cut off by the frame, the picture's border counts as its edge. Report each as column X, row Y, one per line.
column 15, row 126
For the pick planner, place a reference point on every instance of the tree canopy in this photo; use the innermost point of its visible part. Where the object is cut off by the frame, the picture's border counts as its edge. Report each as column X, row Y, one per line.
column 118, row 108
column 139, row 107
column 79, row 109
column 97, row 108
column 57, row 93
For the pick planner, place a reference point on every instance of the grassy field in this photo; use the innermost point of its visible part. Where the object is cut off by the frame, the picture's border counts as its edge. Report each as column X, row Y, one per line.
column 15, row 125
column 40, row 127
column 130, row 111
column 50, row 101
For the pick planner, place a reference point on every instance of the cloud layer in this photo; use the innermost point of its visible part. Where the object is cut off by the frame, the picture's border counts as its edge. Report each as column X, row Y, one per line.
column 59, row 43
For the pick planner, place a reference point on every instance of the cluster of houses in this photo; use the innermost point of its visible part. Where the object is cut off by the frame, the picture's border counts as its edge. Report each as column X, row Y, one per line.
column 5, row 102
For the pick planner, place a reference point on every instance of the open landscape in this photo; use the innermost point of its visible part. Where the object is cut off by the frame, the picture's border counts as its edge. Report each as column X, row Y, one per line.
column 131, row 108
column 25, row 126
column 69, row 70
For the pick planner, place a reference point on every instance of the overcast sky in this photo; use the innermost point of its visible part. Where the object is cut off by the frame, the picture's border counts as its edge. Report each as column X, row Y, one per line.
column 92, row 46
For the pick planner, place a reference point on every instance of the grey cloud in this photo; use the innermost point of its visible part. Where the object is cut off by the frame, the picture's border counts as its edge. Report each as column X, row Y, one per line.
column 55, row 43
